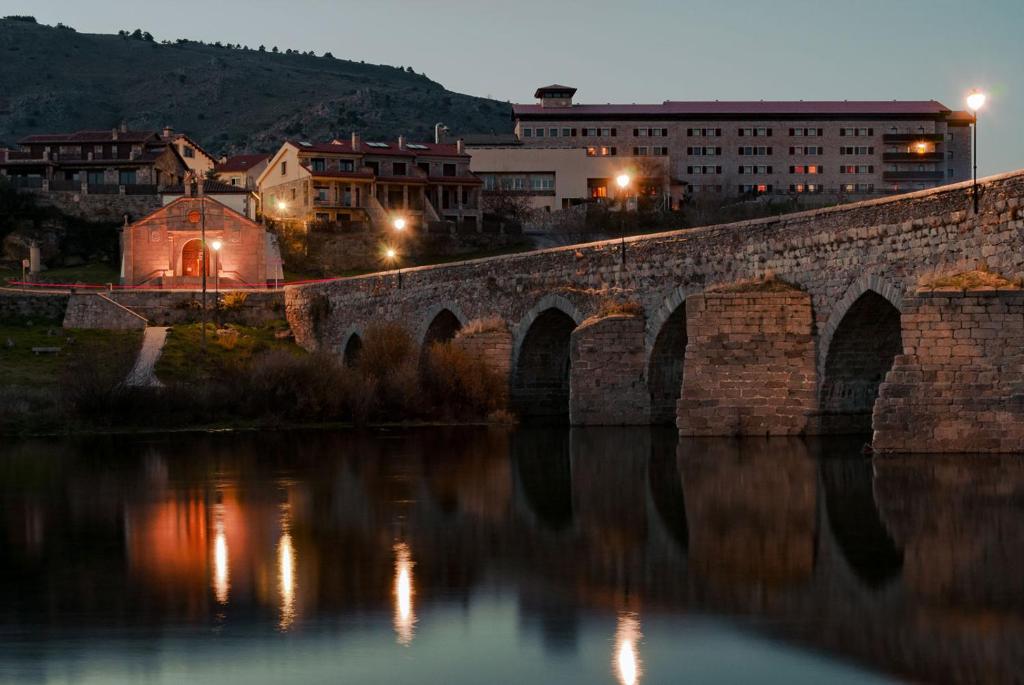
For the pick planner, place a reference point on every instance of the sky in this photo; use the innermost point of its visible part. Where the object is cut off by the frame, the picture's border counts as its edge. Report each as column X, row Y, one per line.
column 636, row 50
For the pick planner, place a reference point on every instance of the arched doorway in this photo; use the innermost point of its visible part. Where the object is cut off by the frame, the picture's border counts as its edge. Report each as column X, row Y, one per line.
column 862, row 351
column 193, row 256
column 540, row 386
column 353, row 348
column 665, row 371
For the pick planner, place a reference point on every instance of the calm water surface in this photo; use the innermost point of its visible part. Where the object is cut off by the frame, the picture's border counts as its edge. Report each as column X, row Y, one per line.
column 484, row 556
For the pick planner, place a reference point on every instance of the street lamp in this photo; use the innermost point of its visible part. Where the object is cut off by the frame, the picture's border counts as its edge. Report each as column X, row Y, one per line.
column 392, row 257
column 623, row 181
column 975, row 101
column 399, row 224
column 216, row 245
column 282, row 206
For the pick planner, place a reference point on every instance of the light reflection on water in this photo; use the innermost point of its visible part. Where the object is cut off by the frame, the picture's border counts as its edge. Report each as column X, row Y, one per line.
column 530, row 556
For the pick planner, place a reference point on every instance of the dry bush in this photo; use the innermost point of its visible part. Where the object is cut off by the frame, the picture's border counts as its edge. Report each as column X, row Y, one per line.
column 610, row 306
column 93, row 384
column 385, row 347
column 227, row 338
column 234, row 299
column 970, row 280
column 461, row 386
column 283, row 385
column 769, row 284
column 485, row 325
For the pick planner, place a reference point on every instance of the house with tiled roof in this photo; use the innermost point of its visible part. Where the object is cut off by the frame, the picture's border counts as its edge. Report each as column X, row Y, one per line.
column 243, row 200
column 371, row 183
column 196, row 158
column 115, row 161
column 241, row 170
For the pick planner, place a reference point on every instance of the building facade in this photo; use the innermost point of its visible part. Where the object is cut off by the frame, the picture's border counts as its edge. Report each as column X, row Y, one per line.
column 192, row 153
column 166, row 247
column 854, row 148
column 241, row 170
column 370, row 183
column 110, row 162
column 242, row 200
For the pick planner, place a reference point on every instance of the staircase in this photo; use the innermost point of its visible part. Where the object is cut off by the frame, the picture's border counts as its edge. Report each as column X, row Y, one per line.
column 429, row 213
column 375, row 210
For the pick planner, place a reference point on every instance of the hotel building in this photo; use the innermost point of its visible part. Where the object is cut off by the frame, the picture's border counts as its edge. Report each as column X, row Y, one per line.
column 749, row 148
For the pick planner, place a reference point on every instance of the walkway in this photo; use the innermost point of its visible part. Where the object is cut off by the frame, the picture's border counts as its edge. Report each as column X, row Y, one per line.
column 152, row 345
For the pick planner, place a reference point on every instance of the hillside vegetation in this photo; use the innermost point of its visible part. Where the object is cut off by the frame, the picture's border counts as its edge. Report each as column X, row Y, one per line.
column 54, row 79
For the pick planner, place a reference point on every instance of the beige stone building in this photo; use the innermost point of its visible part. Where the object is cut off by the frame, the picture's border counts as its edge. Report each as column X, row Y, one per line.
column 192, row 153
column 241, row 170
column 854, row 148
column 370, row 183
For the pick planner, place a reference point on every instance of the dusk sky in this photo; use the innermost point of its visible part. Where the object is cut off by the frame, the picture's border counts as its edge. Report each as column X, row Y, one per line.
column 639, row 51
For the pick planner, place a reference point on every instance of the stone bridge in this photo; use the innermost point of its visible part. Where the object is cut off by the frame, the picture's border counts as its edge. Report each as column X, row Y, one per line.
column 805, row 323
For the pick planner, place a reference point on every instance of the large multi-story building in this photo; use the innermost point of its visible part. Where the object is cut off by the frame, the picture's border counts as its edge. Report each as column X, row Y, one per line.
column 115, row 161
column 373, row 183
column 762, row 147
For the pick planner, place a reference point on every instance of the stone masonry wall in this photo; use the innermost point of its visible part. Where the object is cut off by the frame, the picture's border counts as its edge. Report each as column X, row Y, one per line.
column 169, row 307
column 493, row 346
column 749, row 367
column 111, row 208
column 607, row 386
column 959, row 384
column 95, row 310
column 16, row 305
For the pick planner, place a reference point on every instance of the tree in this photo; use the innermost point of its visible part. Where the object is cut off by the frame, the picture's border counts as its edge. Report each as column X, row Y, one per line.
column 262, row 49
column 274, row 50
column 505, row 204
column 328, row 55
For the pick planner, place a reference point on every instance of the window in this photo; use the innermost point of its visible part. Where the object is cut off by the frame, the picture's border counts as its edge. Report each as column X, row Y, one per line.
column 527, row 133
column 806, row 169
column 539, row 133
column 602, row 151
column 856, row 131
column 806, row 150
column 652, row 132
column 284, row 168
column 318, row 164
column 518, row 183
column 704, row 151
column 374, row 168
column 858, row 187
column 704, row 132
column 755, row 131
column 398, row 168
column 488, row 180
column 755, row 169
column 542, row 183
column 659, row 151
column 567, row 132
column 857, row 169
column 448, row 170
column 856, row 150
column 126, row 178
column 346, row 165
column 552, row 133
column 703, row 170
column 234, row 181
column 640, row 151
column 321, row 194
column 806, row 132
column 756, row 188
column 755, row 150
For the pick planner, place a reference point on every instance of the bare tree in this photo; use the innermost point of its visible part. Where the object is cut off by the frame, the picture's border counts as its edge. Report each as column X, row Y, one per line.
column 505, row 204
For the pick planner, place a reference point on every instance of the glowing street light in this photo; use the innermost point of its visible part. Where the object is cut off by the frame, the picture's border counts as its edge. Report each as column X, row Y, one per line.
column 281, row 206
column 399, row 224
column 392, row 256
column 622, row 180
column 975, row 101
column 216, row 245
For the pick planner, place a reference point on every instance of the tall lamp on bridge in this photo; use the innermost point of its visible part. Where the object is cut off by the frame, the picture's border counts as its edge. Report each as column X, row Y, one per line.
column 216, row 245
column 623, row 181
column 975, row 101
column 392, row 256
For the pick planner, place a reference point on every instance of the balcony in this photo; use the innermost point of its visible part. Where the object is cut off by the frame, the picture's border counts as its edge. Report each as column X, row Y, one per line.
column 103, row 189
column 66, row 185
column 913, row 175
column 25, row 181
column 912, row 157
column 913, row 137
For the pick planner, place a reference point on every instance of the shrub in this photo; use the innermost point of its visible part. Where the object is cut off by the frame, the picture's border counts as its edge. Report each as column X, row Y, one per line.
column 610, row 306
column 93, row 383
column 230, row 301
column 282, row 385
column 457, row 385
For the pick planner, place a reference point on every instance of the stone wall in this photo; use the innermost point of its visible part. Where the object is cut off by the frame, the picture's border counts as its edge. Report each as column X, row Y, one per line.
column 107, row 208
column 169, row 307
column 96, row 310
column 959, row 384
column 17, row 305
column 492, row 346
column 606, row 381
column 749, row 365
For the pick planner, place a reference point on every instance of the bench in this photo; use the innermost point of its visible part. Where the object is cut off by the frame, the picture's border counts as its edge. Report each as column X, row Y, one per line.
column 45, row 350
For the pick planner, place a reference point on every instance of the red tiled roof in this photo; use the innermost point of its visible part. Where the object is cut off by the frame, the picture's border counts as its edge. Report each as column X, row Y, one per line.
column 240, row 162
column 741, row 107
column 105, row 136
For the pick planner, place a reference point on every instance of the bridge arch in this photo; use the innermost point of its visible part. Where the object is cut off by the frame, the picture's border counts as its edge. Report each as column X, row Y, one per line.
column 441, row 323
column 351, row 347
column 858, row 345
column 540, row 358
column 666, row 345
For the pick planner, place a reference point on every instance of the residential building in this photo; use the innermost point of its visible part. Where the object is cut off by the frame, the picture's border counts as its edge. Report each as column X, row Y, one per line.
column 561, row 177
column 761, row 147
column 165, row 248
column 243, row 200
column 241, row 170
column 109, row 162
column 370, row 183
column 195, row 157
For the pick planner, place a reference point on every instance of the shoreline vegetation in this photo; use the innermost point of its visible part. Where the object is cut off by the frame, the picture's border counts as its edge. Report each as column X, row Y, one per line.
column 248, row 379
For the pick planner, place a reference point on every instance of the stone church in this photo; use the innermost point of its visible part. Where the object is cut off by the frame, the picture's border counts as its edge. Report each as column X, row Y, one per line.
column 165, row 248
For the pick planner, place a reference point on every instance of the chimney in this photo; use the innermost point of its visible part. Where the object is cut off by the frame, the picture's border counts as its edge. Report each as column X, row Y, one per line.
column 401, row 142
column 113, row 133
column 168, row 132
column 355, row 141
column 124, row 127
column 460, row 147
column 187, row 184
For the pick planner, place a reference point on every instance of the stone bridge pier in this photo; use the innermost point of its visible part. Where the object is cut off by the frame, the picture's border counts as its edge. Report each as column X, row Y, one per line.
column 808, row 323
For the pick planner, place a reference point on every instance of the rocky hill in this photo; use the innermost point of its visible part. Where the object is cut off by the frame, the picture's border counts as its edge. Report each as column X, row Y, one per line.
column 54, row 79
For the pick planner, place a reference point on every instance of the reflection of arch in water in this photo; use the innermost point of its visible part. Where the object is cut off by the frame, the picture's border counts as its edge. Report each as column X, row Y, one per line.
column 666, row 487
column 855, row 523
column 544, row 475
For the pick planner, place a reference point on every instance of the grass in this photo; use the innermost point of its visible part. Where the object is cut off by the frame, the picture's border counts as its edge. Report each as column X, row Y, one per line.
column 971, row 280
column 233, row 346
column 95, row 273
column 20, row 367
column 759, row 285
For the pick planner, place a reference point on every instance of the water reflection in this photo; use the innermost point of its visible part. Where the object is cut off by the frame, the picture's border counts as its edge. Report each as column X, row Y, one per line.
column 516, row 553
column 405, row 619
column 627, row 659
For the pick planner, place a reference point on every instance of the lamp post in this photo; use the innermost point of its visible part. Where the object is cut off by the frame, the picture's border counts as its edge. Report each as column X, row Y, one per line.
column 623, row 181
column 216, row 245
column 975, row 101
column 202, row 257
column 399, row 224
column 392, row 257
